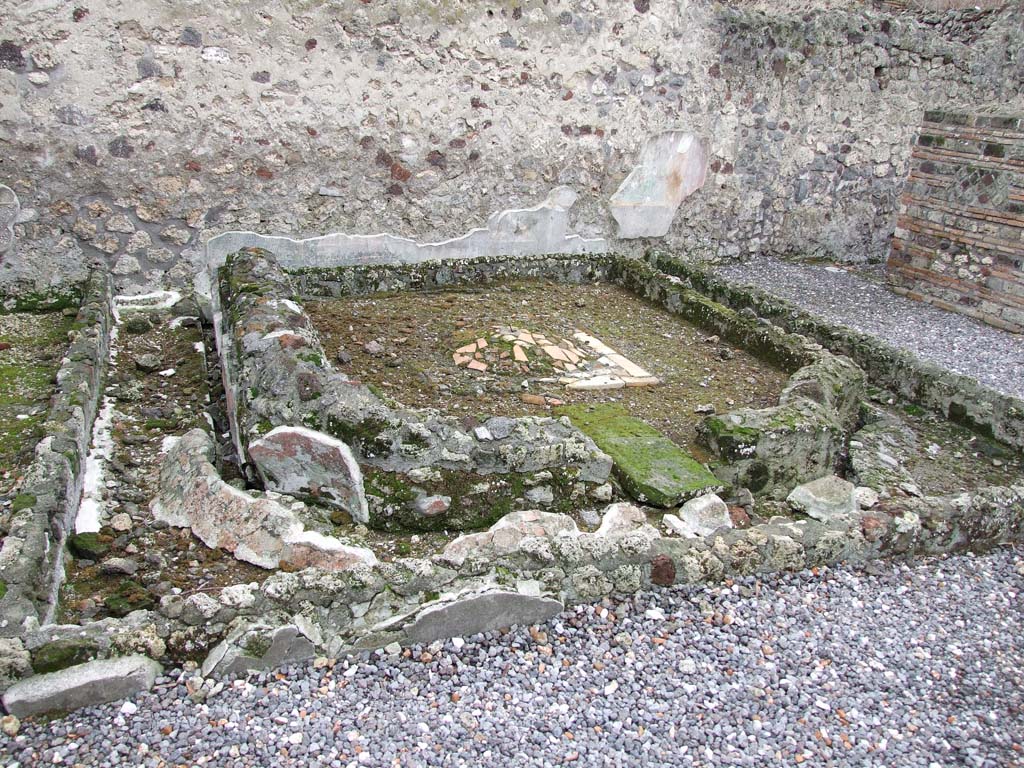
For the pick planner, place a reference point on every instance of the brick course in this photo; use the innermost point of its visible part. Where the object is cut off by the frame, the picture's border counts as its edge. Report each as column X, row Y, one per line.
column 959, row 239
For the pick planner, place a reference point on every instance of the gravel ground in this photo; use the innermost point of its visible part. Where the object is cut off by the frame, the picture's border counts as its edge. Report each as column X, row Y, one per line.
column 905, row 665
column 860, row 300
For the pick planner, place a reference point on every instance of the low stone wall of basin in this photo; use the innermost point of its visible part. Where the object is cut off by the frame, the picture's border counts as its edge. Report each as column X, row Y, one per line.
column 524, row 569
column 31, row 558
column 766, row 450
column 958, row 398
column 421, row 470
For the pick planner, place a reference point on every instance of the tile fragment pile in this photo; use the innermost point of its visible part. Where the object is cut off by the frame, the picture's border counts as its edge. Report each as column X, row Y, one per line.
column 590, row 365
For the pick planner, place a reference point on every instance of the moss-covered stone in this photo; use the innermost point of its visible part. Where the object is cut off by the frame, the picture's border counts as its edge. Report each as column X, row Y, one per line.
column 87, row 546
column 63, row 653
column 42, row 301
column 650, row 467
column 138, row 324
column 130, row 596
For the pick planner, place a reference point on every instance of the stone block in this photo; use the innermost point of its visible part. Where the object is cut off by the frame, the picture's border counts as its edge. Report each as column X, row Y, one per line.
column 827, row 499
column 480, row 613
column 95, row 682
column 701, row 516
column 672, row 166
column 304, row 462
column 258, row 648
column 651, row 467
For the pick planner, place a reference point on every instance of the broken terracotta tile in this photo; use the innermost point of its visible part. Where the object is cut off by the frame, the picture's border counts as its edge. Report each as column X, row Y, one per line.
column 554, row 401
column 460, row 359
column 555, row 353
column 469, row 349
column 533, row 399
column 476, row 365
column 481, row 343
column 519, row 353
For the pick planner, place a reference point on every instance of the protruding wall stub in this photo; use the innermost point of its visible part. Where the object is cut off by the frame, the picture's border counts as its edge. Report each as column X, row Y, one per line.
column 257, row 530
column 672, row 166
column 306, row 463
column 10, row 206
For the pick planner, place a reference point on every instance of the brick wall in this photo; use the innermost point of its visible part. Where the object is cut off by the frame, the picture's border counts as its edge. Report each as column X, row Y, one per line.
column 959, row 240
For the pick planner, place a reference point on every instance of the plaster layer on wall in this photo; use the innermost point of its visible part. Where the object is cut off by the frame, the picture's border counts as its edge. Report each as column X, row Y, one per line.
column 135, row 132
column 540, row 229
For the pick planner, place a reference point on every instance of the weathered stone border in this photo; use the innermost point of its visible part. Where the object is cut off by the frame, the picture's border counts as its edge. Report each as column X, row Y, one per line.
column 32, row 555
column 959, row 398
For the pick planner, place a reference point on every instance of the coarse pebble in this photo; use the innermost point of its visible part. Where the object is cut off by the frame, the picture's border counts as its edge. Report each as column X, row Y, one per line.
column 897, row 664
column 859, row 299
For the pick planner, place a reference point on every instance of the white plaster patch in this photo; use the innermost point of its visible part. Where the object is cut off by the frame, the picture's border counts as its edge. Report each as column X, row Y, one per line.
column 155, row 300
column 542, row 229
column 92, row 506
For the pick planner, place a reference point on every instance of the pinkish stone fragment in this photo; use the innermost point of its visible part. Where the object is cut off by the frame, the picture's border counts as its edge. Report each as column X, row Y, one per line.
column 304, row 462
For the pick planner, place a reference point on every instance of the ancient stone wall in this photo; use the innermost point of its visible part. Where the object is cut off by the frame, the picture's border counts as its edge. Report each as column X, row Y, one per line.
column 136, row 131
column 959, row 242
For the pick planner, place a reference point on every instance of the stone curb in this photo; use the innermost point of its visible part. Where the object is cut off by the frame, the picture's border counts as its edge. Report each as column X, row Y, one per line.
column 32, row 552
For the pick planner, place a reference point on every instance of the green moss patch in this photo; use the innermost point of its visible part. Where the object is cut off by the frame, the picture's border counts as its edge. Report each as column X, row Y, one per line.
column 61, row 654
column 476, row 501
column 87, row 546
column 651, row 468
column 130, row 596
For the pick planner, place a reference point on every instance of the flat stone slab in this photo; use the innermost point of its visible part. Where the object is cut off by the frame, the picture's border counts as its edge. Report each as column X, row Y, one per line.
column 95, row 682
column 651, row 468
column 480, row 613
column 672, row 166
column 303, row 462
column 256, row 648
column 825, row 499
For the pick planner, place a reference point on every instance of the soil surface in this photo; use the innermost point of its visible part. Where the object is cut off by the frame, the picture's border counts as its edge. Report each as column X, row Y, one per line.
column 31, row 348
column 947, row 458
column 402, row 346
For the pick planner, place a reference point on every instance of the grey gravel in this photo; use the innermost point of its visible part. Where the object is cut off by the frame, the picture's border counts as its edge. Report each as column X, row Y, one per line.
column 860, row 300
column 903, row 665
